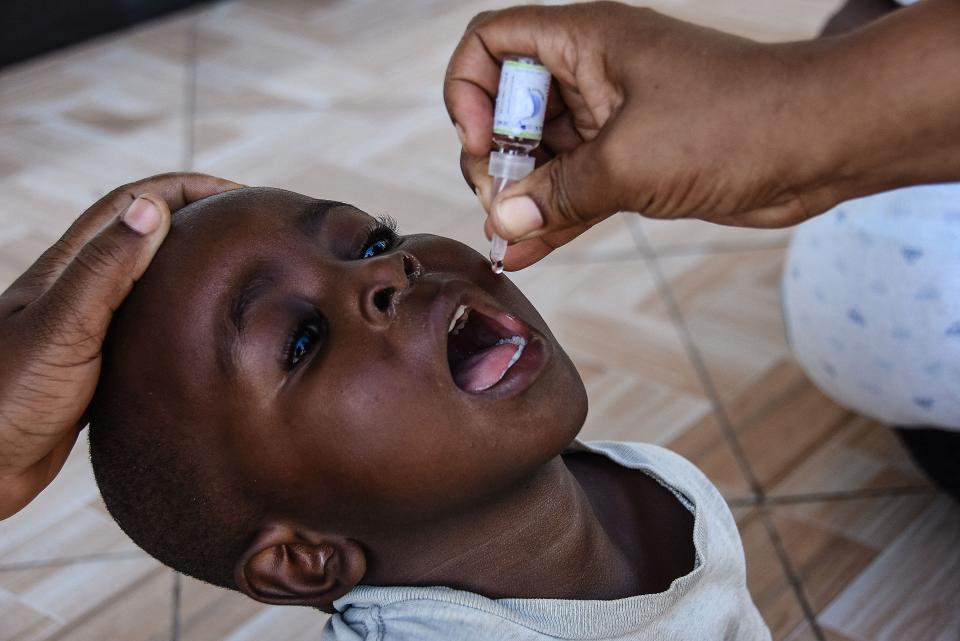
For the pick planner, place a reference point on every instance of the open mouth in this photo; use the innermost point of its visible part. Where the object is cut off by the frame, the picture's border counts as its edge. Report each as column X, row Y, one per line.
column 482, row 348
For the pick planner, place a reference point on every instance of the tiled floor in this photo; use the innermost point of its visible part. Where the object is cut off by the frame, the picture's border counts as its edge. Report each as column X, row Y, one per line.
column 675, row 327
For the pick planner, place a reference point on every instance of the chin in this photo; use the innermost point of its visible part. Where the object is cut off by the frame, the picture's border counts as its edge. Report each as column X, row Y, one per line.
column 566, row 398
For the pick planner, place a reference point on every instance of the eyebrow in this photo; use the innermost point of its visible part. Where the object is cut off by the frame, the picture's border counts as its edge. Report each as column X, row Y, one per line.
column 247, row 290
column 314, row 215
column 254, row 283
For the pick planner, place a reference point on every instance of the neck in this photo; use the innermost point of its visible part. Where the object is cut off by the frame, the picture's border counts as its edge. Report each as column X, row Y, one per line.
column 542, row 541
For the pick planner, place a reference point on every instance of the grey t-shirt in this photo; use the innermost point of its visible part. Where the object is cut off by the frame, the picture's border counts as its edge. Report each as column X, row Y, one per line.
column 711, row 602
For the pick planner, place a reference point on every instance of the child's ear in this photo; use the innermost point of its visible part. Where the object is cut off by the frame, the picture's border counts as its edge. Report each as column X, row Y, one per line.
column 288, row 565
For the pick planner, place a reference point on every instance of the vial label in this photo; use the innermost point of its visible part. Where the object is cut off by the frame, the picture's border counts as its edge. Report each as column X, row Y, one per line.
column 521, row 100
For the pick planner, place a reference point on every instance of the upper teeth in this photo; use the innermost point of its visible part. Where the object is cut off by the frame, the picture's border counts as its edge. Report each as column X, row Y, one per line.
column 459, row 319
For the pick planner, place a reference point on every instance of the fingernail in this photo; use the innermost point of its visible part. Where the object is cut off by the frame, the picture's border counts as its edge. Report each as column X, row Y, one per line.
column 518, row 216
column 142, row 216
column 461, row 134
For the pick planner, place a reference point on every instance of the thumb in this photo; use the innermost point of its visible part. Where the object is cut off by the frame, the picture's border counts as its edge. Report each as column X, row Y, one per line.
column 77, row 308
column 571, row 190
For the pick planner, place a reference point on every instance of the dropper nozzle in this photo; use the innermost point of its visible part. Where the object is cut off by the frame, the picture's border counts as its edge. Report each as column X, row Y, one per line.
column 498, row 251
column 505, row 168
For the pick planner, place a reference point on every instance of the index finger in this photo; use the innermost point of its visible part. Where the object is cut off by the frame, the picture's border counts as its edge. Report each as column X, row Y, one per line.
column 470, row 86
column 177, row 189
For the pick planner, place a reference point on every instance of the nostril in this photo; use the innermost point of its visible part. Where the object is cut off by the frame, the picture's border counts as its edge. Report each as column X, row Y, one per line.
column 411, row 268
column 382, row 299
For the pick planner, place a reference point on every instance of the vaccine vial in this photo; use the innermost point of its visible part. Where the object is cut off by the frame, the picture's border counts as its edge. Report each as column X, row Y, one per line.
column 517, row 130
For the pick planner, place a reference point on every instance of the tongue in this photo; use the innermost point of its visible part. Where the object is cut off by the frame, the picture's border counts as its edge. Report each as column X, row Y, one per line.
column 485, row 368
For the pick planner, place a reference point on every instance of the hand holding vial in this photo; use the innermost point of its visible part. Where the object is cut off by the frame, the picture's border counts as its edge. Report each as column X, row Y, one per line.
column 672, row 120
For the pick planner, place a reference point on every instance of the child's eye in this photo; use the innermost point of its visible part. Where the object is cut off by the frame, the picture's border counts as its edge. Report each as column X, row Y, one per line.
column 307, row 337
column 381, row 237
column 377, row 247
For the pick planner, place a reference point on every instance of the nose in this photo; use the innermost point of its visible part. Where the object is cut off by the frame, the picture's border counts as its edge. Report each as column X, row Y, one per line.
column 386, row 279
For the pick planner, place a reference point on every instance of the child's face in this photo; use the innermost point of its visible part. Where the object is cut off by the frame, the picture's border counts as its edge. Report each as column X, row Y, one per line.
column 307, row 360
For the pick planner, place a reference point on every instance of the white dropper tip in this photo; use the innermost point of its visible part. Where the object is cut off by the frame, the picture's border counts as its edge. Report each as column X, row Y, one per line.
column 498, row 251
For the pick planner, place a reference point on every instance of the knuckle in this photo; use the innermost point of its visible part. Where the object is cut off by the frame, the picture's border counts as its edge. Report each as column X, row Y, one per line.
column 561, row 193
column 479, row 19
column 101, row 256
column 617, row 163
column 65, row 334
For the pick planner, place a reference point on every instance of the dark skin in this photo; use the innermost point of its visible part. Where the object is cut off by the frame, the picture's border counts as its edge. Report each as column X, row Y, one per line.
column 371, row 464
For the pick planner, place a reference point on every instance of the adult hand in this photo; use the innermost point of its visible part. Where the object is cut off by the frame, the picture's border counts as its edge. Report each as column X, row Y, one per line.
column 53, row 320
column 672, row 120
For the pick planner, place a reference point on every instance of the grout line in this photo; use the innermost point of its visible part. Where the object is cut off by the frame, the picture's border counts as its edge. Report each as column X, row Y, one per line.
column 72, row 560
column 190, row 97
column 175, row 607
column 693, row 352
column 793, row 577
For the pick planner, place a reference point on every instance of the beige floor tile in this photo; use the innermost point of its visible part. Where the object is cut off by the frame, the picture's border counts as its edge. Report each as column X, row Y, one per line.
column 798, row 441
column 92, row 533
column 107, row 85
column 66, row 520
column 110, row 600
column 803, row 632
column 20, row 245
column 65, row 167
column 588, row 306
column 910, row 590
column 768, row 584
column 641, row 385
column 731, row 306
column 283, row 624
column 209, row 612
column 260, row 55
column 78, row 123
column 832, row 635
column 705, row 444
column 856, row 454
column 831, row 544
column 795, row 439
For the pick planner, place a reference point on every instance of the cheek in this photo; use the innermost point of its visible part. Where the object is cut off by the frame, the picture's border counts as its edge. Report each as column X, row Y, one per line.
column 409, row 444
column 401, row 448
column 413, row 450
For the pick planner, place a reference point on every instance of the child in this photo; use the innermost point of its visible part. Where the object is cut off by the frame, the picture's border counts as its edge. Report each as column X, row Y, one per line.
column 299, row 404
